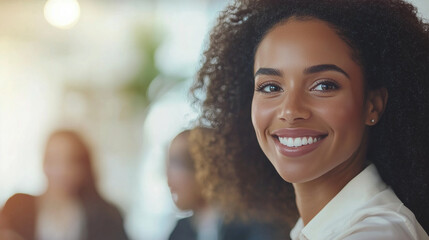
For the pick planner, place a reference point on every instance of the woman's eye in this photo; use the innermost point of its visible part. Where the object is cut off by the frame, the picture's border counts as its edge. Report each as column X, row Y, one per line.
column 269, row 88
column 325, row 86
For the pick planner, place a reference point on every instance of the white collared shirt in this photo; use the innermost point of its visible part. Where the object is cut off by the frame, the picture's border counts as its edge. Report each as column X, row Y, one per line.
column 366, row 208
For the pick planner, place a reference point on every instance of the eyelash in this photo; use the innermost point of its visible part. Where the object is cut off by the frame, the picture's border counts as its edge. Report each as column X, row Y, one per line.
column 328, row 83
column 260, row 88
column 331, row 84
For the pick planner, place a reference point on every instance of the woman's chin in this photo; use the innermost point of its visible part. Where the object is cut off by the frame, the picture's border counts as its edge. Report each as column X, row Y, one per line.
column 295, row 174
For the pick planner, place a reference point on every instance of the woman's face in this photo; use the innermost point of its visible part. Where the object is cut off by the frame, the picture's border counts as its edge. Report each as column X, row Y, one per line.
column 183, row 185
column 308, row 107
column 62, row 165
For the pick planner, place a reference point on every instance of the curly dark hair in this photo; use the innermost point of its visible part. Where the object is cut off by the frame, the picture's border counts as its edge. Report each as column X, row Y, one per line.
column 391, row 44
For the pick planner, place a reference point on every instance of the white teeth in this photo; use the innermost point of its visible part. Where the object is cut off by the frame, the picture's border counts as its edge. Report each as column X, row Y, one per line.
column 298, row 142
column 304, row 141
column 289, row 142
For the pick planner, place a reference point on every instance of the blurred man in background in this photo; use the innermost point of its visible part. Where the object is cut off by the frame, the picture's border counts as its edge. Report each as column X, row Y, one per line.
column 207, row 221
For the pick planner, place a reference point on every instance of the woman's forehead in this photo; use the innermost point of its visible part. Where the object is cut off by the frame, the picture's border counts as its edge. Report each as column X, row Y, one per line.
column 313, row 41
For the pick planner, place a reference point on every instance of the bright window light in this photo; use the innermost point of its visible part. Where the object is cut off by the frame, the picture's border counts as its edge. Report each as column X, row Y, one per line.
column 62, row 13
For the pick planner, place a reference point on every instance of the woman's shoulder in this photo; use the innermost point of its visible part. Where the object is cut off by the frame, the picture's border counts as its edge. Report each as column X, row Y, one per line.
column 183, row 230
column 357, row 213
column 18, row 214
column 387, row 225
column 388, row 221
column 104, row 220
column 101, row 207
column 22, row 197
column 382, row 222
column 19, row 201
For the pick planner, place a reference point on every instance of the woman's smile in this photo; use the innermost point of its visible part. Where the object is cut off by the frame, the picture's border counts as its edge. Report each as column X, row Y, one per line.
column 295, row 142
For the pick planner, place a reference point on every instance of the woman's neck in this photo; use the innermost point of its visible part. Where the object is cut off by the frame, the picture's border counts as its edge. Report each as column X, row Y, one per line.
column 312, row 196
column 203, row 211
column 55, row 195
column 206, row 222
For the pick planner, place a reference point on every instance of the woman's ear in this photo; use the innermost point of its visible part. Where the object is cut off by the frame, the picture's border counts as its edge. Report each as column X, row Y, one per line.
column 376, row 104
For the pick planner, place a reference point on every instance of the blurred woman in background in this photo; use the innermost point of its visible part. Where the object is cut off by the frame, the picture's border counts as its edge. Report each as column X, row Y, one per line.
column 71, row 207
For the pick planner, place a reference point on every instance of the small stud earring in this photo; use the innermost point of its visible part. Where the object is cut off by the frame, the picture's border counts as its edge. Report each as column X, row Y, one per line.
column 373, row 120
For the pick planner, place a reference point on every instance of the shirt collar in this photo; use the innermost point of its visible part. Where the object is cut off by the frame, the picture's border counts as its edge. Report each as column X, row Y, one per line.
column 356, row 192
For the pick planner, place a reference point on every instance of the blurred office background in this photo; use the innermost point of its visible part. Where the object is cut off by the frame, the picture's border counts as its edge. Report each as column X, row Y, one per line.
column 117, row 70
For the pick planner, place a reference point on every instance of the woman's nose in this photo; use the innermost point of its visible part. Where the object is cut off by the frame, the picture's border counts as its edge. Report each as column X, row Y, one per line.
column 293, row 107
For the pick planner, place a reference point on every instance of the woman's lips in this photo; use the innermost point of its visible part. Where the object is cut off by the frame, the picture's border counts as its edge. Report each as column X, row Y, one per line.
column 295, row 142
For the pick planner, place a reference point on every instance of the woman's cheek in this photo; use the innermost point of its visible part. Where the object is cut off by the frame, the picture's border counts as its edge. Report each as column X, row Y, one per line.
column 344, row 117
column 263, row 113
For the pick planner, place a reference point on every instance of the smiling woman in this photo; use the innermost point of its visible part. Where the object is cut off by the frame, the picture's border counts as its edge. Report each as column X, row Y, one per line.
column 320, row 108
column 313, row 100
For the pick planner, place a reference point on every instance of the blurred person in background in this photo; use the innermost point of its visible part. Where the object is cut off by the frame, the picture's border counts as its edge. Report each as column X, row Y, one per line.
column 71, row 207
column 207, row 221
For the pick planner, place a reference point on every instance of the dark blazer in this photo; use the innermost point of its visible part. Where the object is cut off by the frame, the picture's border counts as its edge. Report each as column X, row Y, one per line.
column 234, row 230
column 183, row 230
column 104, row 222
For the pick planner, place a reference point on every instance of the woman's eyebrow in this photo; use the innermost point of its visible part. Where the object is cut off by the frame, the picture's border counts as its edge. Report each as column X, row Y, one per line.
column 269, row 71
column 309, row 70
column 325, row 67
